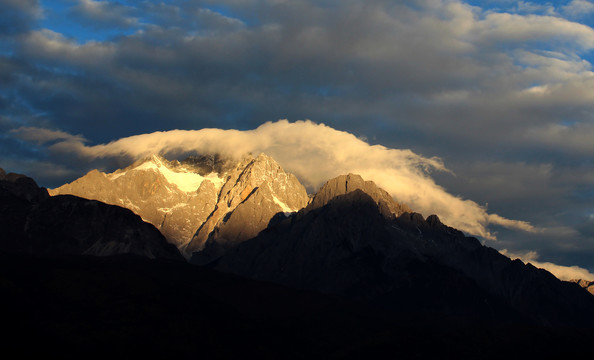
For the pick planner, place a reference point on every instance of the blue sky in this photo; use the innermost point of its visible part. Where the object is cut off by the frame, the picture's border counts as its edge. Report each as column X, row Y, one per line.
column 501, row 91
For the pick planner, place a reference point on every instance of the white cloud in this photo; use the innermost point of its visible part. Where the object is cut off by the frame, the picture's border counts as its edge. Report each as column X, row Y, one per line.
column 578, row 8
column 562, row 272
column 314, row 153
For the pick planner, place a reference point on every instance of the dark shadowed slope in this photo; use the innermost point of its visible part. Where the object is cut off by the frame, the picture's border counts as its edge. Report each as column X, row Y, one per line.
column 588, row 285
column 37, row 224
column 351, row 243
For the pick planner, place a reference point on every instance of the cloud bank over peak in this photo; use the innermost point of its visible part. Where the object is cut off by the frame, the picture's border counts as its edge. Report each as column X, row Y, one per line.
column 313, row 152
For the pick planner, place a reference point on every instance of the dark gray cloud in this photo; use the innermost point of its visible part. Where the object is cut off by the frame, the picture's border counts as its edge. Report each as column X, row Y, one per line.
column 504, row 96
column 586, row 228
column 18, row 16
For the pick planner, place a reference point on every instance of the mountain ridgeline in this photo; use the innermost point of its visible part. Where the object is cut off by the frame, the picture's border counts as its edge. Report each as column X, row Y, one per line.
column 350, row 241
column 201, row 199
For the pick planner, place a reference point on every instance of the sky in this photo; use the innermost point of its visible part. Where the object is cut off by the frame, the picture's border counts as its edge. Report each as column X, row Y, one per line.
column 479, row 111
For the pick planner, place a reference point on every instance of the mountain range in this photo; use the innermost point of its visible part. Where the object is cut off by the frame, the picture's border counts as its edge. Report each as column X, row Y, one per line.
column 350, row 243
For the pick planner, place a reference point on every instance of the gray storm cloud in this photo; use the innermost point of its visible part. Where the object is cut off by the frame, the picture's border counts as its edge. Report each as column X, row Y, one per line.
column 314, row 153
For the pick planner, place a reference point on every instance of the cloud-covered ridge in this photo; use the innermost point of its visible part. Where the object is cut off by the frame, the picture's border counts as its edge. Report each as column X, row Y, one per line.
column 314, row 153
column 562, row 272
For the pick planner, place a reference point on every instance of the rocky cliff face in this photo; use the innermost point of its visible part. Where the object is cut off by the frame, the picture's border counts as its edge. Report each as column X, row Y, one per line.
column 34, row 223
column 254, row 192
column 203, row 198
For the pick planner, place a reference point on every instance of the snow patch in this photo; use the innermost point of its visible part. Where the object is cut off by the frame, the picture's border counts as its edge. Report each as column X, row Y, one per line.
column 287, row 210
column 186, row 181
column 116, row 174
column 215, row 179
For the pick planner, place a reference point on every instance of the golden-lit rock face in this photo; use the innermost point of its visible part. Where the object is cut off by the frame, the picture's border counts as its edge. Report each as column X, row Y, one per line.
column 345, row 184
column 158, row 191
column 255, row 191
column 245, row 193
column 190, row 202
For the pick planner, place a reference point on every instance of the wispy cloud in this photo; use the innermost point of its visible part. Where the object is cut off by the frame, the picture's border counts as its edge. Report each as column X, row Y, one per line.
column 578, row 8
column 42, row 136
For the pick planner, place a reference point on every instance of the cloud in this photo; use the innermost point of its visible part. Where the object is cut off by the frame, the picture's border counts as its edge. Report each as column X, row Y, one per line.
column 562, row 272
column 528, row 7
column 17, row 16
column 210, row 20
column 573, row 138
column 51, row 46
column 314, row 153
column 41, row 136
column 578, row 8
column 511, row 224
column 104, row 14
column 37, row 169
column 508, row 28
column 344, row 62
column 586, row 228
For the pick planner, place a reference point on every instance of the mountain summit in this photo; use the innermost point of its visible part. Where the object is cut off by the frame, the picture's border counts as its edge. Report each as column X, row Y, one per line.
column 344, row 184
column 255, row 191
column 201, row 198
